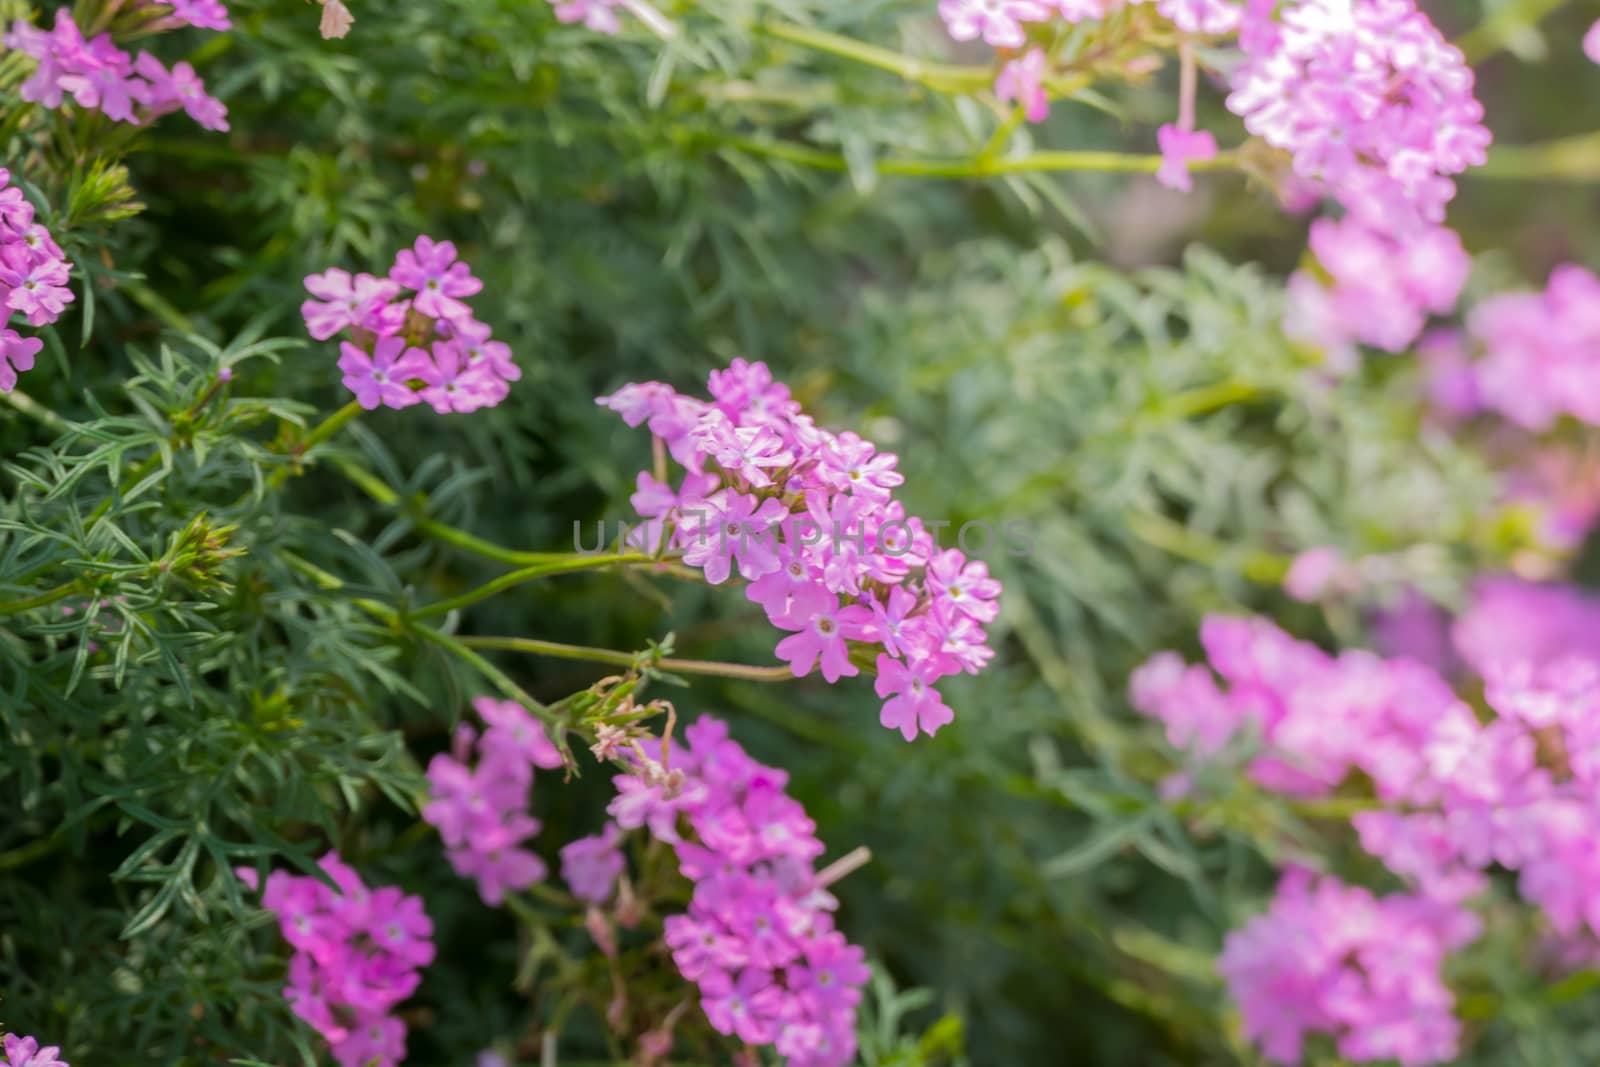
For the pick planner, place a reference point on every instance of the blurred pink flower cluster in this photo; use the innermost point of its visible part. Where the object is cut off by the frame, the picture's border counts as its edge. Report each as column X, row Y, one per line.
column 758, row 938
column 1531, row 357
column 412, row 336
column 1457, row 795
column 99, row 76
column 481, row 810
column 33, row 280
column 809, row 518
column 1333, row 959
column 359, row 952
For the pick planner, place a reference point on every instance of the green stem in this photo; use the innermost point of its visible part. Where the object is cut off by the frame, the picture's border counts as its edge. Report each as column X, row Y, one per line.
column 1178, row 540
column 1208, row 398
column 743, row 671
column 943, row 77
column 36, row 411
column 496, row 676
column 453, row 645
column 320, row 433
column 529, row 574
column 979, row 167
column 23, row 855
column 380, row 492
column 39, row 600
column 1570, row 159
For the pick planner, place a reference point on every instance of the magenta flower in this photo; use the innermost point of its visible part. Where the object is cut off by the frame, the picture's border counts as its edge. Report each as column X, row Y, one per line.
column 204, row 14
column 758, row 938
column 358, row 955
column 343, row 301
column 757, row 468
column 856, row 466
column 824, row 628
column 493, row 859
column 430, row 267
column 1179, row 148
column 591, row 865
column 165, row 91
column 914, row 705
column 513, row 730
column 1314, row 572
column 736, row 527
column 16, row 355
column 997, row 22
column 382, row 378
column 1591, row 43
column 25, row 1052
column 1021, row 80
column 964, row 585
column 37, row 286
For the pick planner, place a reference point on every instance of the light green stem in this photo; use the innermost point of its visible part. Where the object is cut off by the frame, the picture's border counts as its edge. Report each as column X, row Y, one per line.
column 568, row 565
column 380, row 491
column 742, row 671
column 1570, row 159
column 319, row 433
column 980, row 167
column 36, row 411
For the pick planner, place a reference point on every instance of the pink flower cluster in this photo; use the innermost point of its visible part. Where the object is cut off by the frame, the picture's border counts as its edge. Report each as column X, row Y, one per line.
column 358, row 953
column 1001, row 22
column 1539, row 355
column 1510, row 621
column 481, row 811
column 1333, row 959
column 1521, row 792
column 1371, row 101
column 1317, row 717
column 1373, row 287
column 758, row 938
column 25, row 1052
column 850, row 564
column 100, row 76
column 33, row 280
column 412, row 335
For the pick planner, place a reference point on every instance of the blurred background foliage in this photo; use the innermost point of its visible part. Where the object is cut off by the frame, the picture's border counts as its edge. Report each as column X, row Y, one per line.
column 1084, row 353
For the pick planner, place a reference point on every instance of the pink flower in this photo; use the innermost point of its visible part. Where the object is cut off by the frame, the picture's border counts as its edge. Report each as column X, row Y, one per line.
column 16, row 355
column 36, row 285
column 1333, row 959
column 823, row 630
column 180, row 88
column 25, row 1052
column 1314, row 572
column 998, row 22
column 964, row 585
column 358, row 955
column 430, row 267
column 591, row 865
column 205, row 14
column 1591, row 43
column 914, row 704
column 1179, row 148
column 343, row 301
column 1374, row 105
column 1020, row 80
column 381, row 378
column 758, row 938
column 810, row 518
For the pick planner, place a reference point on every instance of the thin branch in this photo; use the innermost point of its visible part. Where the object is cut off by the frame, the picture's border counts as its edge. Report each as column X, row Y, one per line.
column 746, row 672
